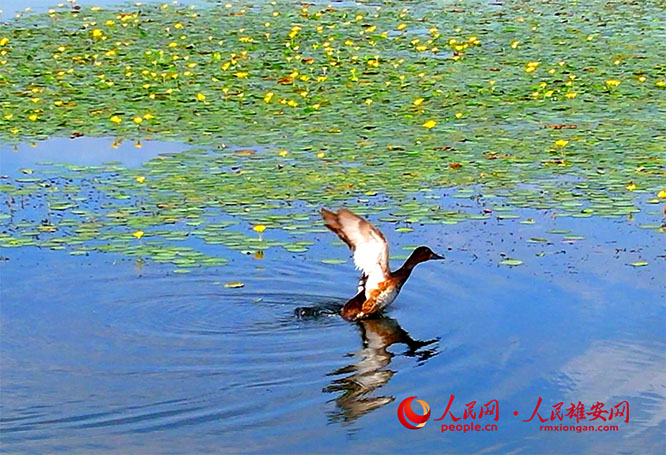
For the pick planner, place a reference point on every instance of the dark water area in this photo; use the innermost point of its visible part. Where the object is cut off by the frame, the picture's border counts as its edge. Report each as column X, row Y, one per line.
column 104, row 354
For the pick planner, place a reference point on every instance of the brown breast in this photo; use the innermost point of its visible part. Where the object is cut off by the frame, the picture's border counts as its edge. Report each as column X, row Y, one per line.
column 360, row 307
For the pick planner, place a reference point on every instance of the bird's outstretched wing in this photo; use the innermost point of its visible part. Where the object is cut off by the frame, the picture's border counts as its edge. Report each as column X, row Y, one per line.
column 366, row 242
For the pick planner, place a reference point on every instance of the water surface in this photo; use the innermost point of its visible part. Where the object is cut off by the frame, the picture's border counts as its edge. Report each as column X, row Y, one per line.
column 105, row 354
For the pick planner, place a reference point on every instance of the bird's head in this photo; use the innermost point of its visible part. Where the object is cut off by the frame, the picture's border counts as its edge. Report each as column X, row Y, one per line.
column 422, row 254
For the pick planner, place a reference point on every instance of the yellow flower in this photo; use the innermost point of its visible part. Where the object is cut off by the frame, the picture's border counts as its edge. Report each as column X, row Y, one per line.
column 137, row 120
column 570, row 94
column 141, row 179
column 96, row 33
column 531, row 66
column 8, row 116
column 321, row 155
column 32, row 117
column 515, row 44
column 4, row 41
column 116, row 119
column 660, row 83
column 458, row 114
column 138, row 234
column 430, row 124
column 283, row 153
column 371, row 29
column 561, row 142
column 661, row 194
column 294, row 31
column 241, row 74
column 631, row 186
column 148, row 116
column 178, row 25
column 201, row 97
column 612, row 82
column 368, row 101
column 259, row 228
column 268, row 97
column 418, row 101
column 642, row 79
column 401, row 26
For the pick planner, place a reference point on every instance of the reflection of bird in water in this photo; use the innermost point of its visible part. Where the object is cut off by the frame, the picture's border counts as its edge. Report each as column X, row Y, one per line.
column 378, row 287
column 369, row 372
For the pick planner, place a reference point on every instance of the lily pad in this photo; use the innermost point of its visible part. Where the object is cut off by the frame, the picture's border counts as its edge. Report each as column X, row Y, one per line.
column 511, row 262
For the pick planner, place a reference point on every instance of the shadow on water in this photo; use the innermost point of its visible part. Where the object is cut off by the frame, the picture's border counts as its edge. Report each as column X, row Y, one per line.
column 369, row 371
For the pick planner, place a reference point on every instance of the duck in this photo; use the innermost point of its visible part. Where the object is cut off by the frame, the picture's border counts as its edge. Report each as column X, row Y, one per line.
column 378, row 286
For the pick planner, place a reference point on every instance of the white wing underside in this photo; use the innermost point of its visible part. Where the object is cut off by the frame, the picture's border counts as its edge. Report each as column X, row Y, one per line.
column 368, row 258
column 368, row 244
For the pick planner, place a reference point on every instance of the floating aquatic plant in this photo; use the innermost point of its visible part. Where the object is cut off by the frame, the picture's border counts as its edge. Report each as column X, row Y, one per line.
column 540, row 105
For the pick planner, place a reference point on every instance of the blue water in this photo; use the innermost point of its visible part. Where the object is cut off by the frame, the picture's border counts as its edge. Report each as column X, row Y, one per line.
column 101, row 354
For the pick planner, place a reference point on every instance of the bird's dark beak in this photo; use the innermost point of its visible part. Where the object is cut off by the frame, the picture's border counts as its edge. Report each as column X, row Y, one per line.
column 436, row 256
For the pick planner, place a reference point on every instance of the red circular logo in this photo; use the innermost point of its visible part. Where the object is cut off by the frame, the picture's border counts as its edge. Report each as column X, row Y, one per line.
column 408, row 418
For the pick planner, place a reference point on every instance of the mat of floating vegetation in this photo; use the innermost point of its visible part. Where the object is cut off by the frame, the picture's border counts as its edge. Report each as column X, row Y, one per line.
column 541, row 104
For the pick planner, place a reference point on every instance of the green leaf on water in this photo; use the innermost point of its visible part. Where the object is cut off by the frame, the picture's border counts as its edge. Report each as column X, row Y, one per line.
column 558, row 231
column 511, row 262
column 334, row 261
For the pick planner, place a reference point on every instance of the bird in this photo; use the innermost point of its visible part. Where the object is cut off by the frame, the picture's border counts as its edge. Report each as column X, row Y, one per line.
column 378, row 286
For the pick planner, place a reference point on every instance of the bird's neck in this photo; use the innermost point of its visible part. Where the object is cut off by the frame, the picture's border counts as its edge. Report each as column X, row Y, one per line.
column 406, row 269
